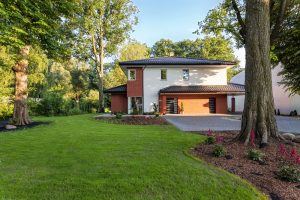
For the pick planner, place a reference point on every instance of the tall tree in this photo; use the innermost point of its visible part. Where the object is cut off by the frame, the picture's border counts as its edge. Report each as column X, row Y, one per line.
column 163, row 47
column 26, row 24
column 258, row 112
column 257, row 26
column 134, row 51
column 106, row 24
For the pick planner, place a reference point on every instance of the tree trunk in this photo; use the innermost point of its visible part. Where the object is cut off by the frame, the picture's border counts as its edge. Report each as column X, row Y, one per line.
column 100, row 75
column 20, row 116
column 258, row 112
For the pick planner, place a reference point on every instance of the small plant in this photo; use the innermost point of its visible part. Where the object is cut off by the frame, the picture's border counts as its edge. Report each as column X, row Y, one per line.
column 210, row 140
column 219, row 139
column 209, row 132
column 218, row 150
column 119, row 115
column 156, row 114
column 282, row 150
column 255, row 155
column 289, row 173
column 155, row 107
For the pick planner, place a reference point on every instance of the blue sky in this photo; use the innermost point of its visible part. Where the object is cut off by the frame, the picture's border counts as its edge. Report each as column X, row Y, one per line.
column 172, row 19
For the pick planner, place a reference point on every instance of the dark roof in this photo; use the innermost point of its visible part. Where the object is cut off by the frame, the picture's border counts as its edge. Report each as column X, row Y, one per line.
column 118, row 89
column 176, row 61
column 230, row 88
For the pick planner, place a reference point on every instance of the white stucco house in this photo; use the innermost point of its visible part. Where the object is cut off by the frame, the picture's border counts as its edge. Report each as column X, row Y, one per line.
column 175, row 85
column 282, row 99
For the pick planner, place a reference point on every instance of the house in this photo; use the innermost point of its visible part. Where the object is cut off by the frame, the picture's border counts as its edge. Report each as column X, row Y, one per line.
column 174, row 85
column 283, row 101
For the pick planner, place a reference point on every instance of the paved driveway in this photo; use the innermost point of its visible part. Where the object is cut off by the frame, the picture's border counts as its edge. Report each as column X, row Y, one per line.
column 226, row 122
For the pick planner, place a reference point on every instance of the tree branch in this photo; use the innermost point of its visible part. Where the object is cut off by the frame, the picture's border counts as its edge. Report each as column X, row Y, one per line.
column 240, row 20
column 277, row 27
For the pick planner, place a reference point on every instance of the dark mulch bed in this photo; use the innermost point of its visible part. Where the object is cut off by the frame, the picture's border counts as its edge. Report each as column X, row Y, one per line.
column 262, row 175
column 33, row 124
column 135, row 120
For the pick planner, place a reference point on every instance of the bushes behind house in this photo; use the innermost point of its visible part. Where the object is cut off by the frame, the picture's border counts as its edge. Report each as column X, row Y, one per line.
column 55, row 104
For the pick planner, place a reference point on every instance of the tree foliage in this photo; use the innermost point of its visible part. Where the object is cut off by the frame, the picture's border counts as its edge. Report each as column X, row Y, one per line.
column 40, row 23
column 163, row 47
column 134, row 51
column 228, row 19
column 105, row 24
column 210, row 47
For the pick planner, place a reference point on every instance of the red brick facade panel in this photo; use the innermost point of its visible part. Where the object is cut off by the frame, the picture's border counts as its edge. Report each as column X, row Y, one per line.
column 119, row 103
column 135, row 87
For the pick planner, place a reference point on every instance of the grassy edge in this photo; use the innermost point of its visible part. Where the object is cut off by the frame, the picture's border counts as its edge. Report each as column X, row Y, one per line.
column 190, row 155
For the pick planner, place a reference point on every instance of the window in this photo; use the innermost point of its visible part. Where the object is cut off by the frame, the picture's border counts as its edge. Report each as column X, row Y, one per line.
column 132, row 74
column 186, row 74
column 163, row 74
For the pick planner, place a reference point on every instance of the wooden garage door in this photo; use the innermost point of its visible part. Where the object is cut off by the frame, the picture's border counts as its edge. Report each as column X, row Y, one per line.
column 195, row 106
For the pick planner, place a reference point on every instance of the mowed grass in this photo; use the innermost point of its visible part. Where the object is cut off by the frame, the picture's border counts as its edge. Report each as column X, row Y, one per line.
column 78, row 157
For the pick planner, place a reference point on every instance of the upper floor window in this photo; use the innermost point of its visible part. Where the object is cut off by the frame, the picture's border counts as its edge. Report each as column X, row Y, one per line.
column 163, row 74
column 132, row 74
column 186, row 74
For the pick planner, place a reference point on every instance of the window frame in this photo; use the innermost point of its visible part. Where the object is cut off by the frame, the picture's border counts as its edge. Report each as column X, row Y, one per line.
column 161, row 70
column 129, row 77
column 188, row 77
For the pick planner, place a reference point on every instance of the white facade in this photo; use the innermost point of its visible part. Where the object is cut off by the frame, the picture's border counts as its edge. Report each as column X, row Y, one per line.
column 198, row 75
column 282, row 100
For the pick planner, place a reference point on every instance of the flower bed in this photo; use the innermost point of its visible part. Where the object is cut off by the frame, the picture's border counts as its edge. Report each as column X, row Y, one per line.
column 258, row 166
column 135, row 120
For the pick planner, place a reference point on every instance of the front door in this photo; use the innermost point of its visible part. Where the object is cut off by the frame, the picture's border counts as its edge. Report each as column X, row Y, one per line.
column 172, row 105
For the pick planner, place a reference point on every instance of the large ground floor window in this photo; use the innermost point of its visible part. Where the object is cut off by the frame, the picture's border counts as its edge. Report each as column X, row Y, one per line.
column 135, row 105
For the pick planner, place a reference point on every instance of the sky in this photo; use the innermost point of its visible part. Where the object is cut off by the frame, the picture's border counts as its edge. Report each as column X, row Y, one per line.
column 172, row 19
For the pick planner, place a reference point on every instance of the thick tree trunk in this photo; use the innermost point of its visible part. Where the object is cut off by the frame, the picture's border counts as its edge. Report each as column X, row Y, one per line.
column 20, row 116
column 258, row 112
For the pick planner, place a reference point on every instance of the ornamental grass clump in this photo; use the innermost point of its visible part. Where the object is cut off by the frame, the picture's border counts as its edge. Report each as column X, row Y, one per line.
column 218, row 150
column 290, row 173
column 256, row 155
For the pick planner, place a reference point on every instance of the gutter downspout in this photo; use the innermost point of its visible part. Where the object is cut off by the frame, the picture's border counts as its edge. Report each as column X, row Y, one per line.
column 143, row 88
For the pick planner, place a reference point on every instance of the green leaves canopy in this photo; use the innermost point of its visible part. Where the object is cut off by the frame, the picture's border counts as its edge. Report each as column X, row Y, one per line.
column 42, row 23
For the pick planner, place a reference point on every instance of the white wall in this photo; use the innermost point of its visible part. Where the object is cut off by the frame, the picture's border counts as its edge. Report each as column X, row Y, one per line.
column 204, row 75
column 239, row 99
column 282, row 100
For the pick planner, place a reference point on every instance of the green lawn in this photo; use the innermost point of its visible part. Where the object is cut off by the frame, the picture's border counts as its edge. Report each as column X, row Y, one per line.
column 78, row 157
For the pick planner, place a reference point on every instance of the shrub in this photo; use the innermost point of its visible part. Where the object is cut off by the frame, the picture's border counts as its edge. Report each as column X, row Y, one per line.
column 74, row 111
column 255, row 155
column 289, row 173
column 33, row 107
column 119, row 115
column 51, row 104
column 218, row 150
column 210, row 140
column 156, row 114
column 6, row 110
